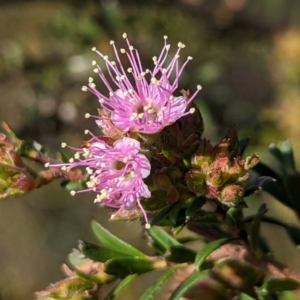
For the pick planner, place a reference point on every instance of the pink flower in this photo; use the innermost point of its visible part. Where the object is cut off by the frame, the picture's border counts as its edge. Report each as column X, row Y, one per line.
column 147, row 105
column 116, row 172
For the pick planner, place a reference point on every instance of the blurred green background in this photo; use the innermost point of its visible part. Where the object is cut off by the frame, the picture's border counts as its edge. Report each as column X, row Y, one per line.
column 246, row 57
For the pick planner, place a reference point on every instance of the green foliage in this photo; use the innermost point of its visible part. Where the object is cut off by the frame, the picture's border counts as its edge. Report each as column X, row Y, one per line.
column 112, row 242
column 253, row 230
column 279, row 284
column 186, row 285
column 154, row 288
column 208, row 249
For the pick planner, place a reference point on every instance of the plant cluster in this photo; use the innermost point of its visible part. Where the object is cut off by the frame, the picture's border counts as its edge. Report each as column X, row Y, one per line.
column 151, row 163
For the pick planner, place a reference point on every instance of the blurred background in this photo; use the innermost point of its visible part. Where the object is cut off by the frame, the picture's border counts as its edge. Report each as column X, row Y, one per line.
column 246, row 57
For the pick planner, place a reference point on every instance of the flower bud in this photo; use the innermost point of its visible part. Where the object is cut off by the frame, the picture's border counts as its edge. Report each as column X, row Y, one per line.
column 231, row 194
column 203, row 155
column 195, row 180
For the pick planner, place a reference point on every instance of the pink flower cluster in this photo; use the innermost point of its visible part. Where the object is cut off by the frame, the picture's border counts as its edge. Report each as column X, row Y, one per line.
column 143, row 103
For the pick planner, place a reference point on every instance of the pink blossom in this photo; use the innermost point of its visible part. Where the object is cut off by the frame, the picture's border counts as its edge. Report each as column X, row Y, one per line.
column 147, row 105
column 115, row 171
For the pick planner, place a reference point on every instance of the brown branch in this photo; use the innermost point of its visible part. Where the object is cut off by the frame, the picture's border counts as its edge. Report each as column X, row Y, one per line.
column 243, row 253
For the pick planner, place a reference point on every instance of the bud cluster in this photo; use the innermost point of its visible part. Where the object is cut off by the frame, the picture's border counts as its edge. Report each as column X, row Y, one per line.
column 219, row 172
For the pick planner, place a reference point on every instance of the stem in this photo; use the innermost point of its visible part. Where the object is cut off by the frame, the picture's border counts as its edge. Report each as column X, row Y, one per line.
column 243, row 253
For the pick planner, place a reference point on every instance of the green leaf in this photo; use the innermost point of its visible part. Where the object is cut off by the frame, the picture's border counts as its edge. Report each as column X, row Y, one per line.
column 188, row 284
column 120, row 287
column 154, row 288
column 234, row 216
column 294, row 234
column 257, row 184
column 125, row 266
column 292, row 183
column 277, row 190
column 187, row 239
column 193, row 207
column 281, row 156
column 162, row 238
column 177, row 230
column 286, row 295
column 181, row 254
column 283, row 151
column 112, row 242
column 292, row 231
column 244, row 296
column 242, row 145
column 208, row 249
column 280, row 284
column 174, row 213
column 253, row 231
column 265, row 170
column 97, row 253
column 163, row 215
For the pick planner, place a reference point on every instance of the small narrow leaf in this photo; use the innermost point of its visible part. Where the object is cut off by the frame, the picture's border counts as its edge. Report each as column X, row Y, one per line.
column 280, row 284
column 154, row 288
column 120, row 287
column 125, row 266
column 181, row 254
column 188, row 284
column 283, row 151
column 163, row 215
column 208, row 249
column 97, row 253
column 242, row 145
column 112, row 242
column 277, row 190
column 174, row 213
column 294, row 234
column 187, row 239
column 162, row 238
column 257, row 184
column 292, row 183
column 234, row 216
column 265, row 170
column 278, row 154
column 244, row 296
column 193, row 207
column 253, row 231
column 292, row 231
